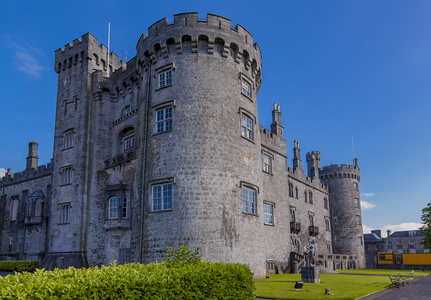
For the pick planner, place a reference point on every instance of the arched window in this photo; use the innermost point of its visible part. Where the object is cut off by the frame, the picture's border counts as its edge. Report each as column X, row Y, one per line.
column 310, row 197
column 234, row 50
column 311, row 219
column 170, row 44
column 203, row 44
column 327, row 225
column 218, row 46
column 245, row 58
column 113, row 206
column 126, row 110
column 292, row 216
column 290, row 189
column 296, row 192
column 305, row 196
column 187, row 43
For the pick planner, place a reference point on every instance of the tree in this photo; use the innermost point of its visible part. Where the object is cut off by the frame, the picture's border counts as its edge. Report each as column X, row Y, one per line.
column 426, row 228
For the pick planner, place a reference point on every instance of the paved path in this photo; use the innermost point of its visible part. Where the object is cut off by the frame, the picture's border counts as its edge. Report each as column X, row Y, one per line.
column 419, row 288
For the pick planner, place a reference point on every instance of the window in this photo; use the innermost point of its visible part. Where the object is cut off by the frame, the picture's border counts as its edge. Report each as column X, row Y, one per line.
column 68, row 139
column 125, row 256
column 357, row 204
column 296, row 192
column 399, row 242
column 247, row 127
column 162, row 197
column 269, row 213
column 355, row 186
column 129, row 141
column 305, row 196
column 165, row 78
column 127, row 109
column 290, row 189
column 310, row 197
column 246, row 88
column 325, row 203
column 113, row 207
column 327, row 227
column 292, row 215
column 14, row 208
column 66, row 175
column 164, row 119
column 311, row 219
column 358, row 220
column 267, row 163
column 249, row 200
column 64, row 213
column 125, row 208
column 360, row 241
column 328, row 247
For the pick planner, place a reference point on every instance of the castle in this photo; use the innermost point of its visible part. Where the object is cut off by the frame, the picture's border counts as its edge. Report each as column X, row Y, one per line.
column 166, row 150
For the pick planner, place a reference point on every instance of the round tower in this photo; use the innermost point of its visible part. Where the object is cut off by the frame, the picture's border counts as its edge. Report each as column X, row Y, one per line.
column 202, row 149
column 345, row 206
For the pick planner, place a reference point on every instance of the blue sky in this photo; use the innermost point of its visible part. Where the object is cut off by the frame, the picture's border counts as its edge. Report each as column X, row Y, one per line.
column 339, row 69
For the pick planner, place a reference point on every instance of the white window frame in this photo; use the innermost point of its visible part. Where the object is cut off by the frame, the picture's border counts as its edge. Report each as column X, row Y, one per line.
column 164, row 78
column 164, row 119
column 268, row 208
column 246, row 88
column 267, row 163
column 247, row 127
column 357, row 203
column 249, row 200
column 161, row 196
column 129, row 141
column 113, row 207
column 125, row 207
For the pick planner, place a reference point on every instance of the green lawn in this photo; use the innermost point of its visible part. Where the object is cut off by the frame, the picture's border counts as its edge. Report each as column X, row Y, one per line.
column 387, row 272
column 341, row 286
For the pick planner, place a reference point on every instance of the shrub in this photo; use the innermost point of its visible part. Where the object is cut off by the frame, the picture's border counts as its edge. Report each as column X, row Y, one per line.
column 203, row 280
column 18, row 265
column 181, row 256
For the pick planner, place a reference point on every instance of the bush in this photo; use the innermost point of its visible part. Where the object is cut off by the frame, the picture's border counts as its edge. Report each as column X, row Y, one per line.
column 203, row 280
column 18, row 265
column 181, row 256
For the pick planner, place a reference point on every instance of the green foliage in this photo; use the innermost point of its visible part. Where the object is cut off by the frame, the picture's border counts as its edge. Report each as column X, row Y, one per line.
column 18, row 265
column 203, row 280
column 426, row 228
column 181, row 256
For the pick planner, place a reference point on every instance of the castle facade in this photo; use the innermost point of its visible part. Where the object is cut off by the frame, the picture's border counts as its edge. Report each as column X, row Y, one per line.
column 166, row 150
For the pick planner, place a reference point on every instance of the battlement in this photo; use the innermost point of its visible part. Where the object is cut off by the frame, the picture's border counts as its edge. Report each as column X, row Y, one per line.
column 340, row 171
column 190, row 34
column 86, row 48
column 313, row 155
column 26, row 175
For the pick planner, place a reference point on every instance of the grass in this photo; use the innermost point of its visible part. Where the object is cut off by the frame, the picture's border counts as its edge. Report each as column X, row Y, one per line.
column 386, row 272
column 341, row 286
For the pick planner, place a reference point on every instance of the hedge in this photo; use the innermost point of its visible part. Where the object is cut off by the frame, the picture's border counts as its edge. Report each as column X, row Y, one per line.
column 18, row 265
column 204, row 280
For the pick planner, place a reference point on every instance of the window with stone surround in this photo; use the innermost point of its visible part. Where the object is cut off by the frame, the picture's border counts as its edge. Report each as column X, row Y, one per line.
column 357, row 203
column 310, row 197
column 66, row 175
column 113, row 207
column 161, row 199
column 245, row 88
column 305, row 196
column 247, row 127
column 325, row 203
column 249, row 200
column 328, row 247
column 290, row 186
column 164, row 119
column 327, row 225
column 64, row 213
column 125, row 208
column 355, row 186
column 165, row 78
column 68, row 139
column 269, row 213
column 311, row 219
column 296, row 192
column 14, row 208
column 267, row 163
column 358, row 220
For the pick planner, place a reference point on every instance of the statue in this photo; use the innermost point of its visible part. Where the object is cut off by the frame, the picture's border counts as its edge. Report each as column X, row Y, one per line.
column 311, row 252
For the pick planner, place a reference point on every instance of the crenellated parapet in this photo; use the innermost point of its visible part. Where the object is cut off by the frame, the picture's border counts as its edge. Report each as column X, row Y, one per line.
column 340, row 171
column 26, row 175
column 190, row 35
column 85, row 49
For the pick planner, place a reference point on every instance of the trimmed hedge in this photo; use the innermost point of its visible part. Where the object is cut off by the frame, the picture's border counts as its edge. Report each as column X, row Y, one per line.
column 204, row 280
column 18, row 265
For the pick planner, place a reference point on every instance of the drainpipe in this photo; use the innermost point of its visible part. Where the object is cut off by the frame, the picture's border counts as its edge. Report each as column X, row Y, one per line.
column 144, row 163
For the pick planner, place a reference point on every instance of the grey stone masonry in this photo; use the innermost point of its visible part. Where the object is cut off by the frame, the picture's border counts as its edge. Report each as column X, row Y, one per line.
column 166, row 150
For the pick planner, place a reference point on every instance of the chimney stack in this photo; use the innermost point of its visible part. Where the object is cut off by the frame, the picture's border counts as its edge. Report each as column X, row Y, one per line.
column 32, row 157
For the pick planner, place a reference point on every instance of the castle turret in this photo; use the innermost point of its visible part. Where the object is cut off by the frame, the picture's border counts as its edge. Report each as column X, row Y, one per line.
column 313, row 164
column 344, row 203
column 32, row 157
column 276, row 126
column 297, row 162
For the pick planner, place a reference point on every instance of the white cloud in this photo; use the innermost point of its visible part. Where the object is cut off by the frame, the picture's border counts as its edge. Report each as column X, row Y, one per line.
column 367, row 205
column 27, row 58
column 393, row 228
column 2, row 172
column 367, row 194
